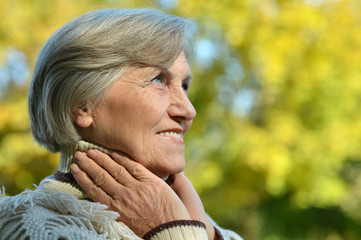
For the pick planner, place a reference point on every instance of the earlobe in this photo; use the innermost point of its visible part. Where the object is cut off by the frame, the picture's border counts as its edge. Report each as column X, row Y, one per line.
column 83, row 116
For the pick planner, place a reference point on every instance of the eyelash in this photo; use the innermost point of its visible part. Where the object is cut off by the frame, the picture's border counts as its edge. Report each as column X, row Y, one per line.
column 185, row 86
column 161, row 79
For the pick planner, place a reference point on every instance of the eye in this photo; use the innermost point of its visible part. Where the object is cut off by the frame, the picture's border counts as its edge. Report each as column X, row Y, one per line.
column 185, row 86
column 159, row 79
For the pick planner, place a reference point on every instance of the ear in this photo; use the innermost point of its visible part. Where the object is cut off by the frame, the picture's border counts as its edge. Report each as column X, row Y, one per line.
column 83, row 116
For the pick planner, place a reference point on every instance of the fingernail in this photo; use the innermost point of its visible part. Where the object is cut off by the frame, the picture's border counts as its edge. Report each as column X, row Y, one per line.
column 79, row 156
column 91, row 153
column 116, row 155
column 74, row 168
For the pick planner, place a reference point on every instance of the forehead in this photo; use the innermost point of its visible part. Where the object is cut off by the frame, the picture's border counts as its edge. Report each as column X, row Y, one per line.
column 179, row 68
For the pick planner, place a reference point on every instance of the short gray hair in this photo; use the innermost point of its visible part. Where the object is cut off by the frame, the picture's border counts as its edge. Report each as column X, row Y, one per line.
column 86, row 56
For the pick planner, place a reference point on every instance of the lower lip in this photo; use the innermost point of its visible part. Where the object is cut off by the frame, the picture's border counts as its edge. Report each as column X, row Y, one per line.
column 173, row 139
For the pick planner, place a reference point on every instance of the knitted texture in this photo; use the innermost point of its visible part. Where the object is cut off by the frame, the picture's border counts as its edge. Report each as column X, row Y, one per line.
column 182, row 229
column 67, row 154
column 67, row 158
column 51, row 214
column 60, row 209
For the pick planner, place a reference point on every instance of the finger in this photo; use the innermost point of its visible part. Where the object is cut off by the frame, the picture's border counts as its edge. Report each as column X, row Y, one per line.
column 91, row 189
column 137, row 170
column 118, row 172
column 99, row 176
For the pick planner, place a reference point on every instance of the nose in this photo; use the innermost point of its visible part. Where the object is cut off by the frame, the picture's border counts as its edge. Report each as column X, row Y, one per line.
column 181, row 107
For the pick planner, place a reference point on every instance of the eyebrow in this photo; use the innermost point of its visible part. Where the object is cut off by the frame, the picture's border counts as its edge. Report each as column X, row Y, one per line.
column 187, row 78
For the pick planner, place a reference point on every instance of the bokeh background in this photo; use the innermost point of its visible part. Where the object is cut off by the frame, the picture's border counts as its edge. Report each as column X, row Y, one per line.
column 275, row 149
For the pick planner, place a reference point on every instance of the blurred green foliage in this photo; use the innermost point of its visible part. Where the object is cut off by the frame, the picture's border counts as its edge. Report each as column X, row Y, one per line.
column 275, row 149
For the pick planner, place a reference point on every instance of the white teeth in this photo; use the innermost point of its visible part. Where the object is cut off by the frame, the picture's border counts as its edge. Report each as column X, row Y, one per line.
column 171, row 134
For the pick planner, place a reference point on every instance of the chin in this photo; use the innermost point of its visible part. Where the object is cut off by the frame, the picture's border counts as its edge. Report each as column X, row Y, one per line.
column 174, row 166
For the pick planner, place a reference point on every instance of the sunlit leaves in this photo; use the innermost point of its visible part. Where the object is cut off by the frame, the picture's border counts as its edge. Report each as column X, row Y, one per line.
column 277, row 88
column 301, row 61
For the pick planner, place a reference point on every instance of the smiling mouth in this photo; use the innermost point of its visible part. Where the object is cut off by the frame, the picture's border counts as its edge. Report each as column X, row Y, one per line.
column 172, row 136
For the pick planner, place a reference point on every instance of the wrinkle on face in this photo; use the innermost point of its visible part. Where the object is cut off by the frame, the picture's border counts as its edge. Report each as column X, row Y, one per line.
column 136, row 109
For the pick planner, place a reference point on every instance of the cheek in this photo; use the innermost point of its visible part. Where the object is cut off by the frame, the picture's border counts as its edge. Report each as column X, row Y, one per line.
column 151, row 115
column 138, row 133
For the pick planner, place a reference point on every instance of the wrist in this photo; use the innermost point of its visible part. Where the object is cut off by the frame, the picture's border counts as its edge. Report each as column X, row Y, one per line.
column 211, row 233
column 191, row 229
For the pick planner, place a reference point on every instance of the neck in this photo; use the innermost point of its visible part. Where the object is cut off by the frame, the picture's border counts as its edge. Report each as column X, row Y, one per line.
column 63, row 179
column 67, row 157
column 67, row 154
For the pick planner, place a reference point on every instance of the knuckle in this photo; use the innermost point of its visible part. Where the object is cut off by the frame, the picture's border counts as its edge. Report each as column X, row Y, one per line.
column 100, row 161
column 117, row 175
column 100, row 179
column 94, row 192
column 121, row 171
column 135, row 170
column 138, row 172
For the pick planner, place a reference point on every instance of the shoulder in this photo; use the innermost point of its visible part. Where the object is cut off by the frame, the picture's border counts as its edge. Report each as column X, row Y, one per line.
column 40, row 222
column 56, row 215
column 26, row 216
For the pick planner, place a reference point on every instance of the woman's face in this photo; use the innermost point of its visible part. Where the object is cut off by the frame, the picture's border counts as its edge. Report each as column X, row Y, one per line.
column 145, row 114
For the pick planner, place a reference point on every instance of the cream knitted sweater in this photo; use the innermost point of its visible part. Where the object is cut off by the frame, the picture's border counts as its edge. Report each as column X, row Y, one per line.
column 59, row 209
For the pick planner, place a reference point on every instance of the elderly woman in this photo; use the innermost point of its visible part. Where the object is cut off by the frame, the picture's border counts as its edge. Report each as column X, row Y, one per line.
column 109, row 92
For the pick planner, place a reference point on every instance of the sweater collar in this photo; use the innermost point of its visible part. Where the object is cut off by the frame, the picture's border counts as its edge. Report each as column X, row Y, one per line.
column 63, row 179
column 67, row 155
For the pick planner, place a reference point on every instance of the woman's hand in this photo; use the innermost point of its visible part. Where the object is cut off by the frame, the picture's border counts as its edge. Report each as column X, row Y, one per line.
column 190, row 198
column 143, row 200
